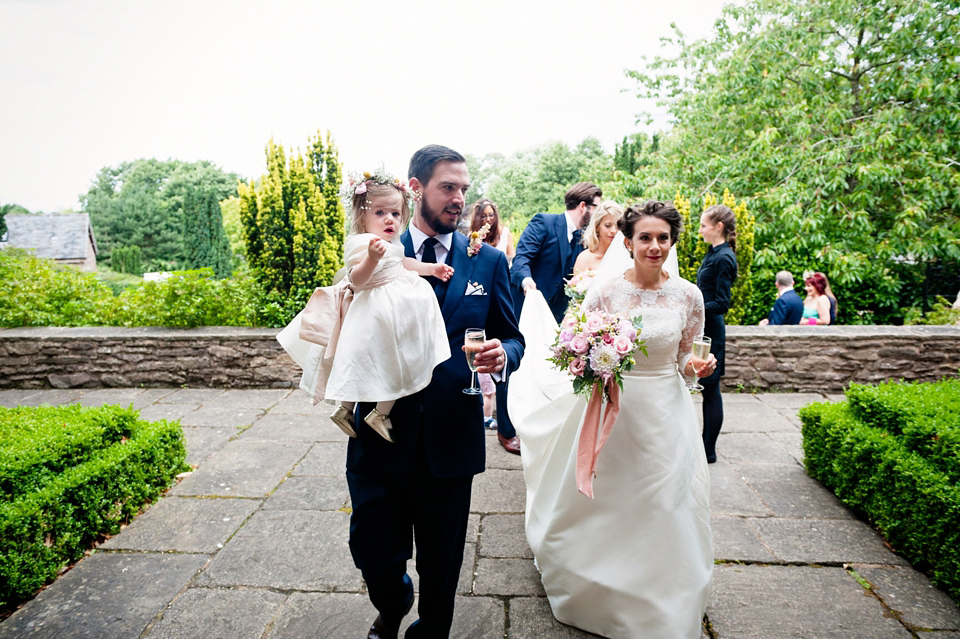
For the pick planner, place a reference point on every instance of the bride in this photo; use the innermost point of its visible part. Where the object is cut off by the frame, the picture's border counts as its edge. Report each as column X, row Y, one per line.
column 637, row 560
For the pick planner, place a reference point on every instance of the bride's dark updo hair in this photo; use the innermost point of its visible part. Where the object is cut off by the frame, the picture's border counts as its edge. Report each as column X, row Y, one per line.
column 654, row 208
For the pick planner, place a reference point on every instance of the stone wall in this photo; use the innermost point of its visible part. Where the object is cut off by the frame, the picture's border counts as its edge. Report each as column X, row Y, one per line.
column 785, row 358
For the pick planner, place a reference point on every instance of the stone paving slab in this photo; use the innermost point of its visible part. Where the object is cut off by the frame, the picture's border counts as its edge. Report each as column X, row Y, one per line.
column 52, row 397
column 286, row 427
column 314, row 614
column 504, row 536
column 299, row 403
column 497, row 457
column 262, row 398
column 203, row 441
column 303, row 550
column 192, row 396
column 911, row 595
column 220, row 416
column 824, row 541
column 243, row 469
column 531, row 618
column 507, row 577
column 800, row 499
column 736, row 539
column 12, row 397
column 774, row 602
column 791, row 443
column 499, row 491
column 106, row 595
column 118, row 396
column 730, row 495
column 749, row 447
column 327, row 459
column 214, row 613
column 156, row 412
column 789, row 401
column 309, row 493
column 756, row 417
column 184, row 524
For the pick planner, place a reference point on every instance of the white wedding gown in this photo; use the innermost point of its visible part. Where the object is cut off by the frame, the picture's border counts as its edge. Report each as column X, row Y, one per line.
column 637, row 560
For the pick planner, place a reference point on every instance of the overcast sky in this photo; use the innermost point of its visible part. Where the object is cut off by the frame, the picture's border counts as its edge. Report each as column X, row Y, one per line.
column 86, row 84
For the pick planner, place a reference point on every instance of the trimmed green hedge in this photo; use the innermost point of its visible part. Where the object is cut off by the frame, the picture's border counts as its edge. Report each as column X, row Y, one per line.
column 912, row 501
column 113, row 464
column 925, row 417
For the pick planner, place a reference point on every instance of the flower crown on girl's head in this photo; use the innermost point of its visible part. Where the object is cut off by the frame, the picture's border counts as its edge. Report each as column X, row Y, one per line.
column 356, row 184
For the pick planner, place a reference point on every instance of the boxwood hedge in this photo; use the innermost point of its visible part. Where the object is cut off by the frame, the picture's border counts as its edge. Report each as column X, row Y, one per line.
column 71, row 474
column 869, row 452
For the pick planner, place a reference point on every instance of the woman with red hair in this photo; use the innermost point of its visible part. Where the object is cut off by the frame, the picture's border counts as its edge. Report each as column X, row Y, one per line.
column 816, row 307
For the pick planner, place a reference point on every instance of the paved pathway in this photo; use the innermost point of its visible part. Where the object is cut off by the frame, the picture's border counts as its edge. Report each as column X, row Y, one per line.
column 253, row 543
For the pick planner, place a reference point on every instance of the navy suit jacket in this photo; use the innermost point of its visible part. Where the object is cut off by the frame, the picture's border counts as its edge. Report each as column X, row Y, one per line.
column 448, row 422
column 544, row 254
column 788, row 309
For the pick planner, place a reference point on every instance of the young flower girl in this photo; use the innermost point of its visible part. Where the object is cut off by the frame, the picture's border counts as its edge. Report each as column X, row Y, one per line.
column 388, row 332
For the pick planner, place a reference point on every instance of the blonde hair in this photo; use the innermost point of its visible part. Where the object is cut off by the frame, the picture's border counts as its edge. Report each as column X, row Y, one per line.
column 591, row 238
column 361, row 202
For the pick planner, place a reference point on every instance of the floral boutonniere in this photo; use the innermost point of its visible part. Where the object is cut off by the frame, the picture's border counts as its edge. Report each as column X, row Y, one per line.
column 476, row 239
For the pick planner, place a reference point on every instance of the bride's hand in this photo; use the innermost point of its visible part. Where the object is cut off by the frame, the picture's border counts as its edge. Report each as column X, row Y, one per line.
column 709, row 366
column 491, row 358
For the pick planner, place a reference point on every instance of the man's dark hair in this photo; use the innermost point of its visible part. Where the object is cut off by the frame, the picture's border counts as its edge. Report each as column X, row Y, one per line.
column 584, row 192
column 423, row 161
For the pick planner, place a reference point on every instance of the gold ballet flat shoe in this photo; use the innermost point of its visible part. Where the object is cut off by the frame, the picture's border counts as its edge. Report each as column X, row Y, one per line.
column 344, row 419
column 380, row 423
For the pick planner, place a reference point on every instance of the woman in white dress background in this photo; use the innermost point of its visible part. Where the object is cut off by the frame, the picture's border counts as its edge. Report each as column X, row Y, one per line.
column 600, row 232
column 637, row 560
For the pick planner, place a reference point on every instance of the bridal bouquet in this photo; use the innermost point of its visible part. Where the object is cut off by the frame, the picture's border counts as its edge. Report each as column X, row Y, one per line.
column 576, row 287
column 596, row 347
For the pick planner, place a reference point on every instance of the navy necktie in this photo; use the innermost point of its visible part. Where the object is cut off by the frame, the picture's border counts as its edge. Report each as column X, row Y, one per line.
column 430, row 256
column 574, row 243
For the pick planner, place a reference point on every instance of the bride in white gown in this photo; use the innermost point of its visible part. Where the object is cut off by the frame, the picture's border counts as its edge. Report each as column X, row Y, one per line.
column 637, row 560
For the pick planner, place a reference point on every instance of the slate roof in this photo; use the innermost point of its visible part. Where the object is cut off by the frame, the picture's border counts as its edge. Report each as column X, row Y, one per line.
column 55, row 236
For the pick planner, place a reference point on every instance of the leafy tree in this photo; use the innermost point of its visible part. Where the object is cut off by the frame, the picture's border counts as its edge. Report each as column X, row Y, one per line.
column 535, row 180
column 839, row 119
column 205, row 242
column 230, row 212
column 293, row 226
column 140, row 203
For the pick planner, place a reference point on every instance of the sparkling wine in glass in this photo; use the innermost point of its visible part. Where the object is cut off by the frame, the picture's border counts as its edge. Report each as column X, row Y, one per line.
column 701, row 350
column 473, row 340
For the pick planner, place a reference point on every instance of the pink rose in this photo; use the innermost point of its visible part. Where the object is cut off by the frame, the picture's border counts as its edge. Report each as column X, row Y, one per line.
column 577, row 367
column 607, row 338
column 623, row 345
column 594, row 322
column 579, row 344
column 569, row 321
column 628, row 331
column 566, row 335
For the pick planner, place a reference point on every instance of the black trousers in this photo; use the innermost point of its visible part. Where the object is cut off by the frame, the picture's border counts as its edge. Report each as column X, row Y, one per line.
column 712, row 415
column 389, row 513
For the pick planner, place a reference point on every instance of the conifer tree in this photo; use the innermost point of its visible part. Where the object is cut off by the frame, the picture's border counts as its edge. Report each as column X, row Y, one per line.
column 204, row 241
column 293, row 226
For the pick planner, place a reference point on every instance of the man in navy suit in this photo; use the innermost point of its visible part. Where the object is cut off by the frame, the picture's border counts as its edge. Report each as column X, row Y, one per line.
column 418, row 487
column 788, row 309
column 545, row 255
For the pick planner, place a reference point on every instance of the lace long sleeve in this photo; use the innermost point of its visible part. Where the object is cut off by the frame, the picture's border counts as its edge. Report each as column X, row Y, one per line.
column 693, row 327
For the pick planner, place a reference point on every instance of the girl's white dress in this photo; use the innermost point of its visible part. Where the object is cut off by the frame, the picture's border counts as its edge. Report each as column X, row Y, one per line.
column 637, row 560
column 391, row 338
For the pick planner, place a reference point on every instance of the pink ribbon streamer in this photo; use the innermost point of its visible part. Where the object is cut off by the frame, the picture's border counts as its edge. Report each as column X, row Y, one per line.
column 593, row 436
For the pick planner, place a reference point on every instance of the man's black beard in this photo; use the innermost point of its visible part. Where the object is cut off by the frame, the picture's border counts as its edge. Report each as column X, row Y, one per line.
column 433, row 220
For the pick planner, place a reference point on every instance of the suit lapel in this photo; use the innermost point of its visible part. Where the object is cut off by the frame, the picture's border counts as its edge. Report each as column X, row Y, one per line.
column 560, row 228
column 463, row 266
column 407, row 244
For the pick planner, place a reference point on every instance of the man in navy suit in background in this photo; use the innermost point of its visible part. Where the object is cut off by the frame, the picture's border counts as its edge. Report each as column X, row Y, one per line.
column 418, row 487
column 545, row 256
column 788, row 309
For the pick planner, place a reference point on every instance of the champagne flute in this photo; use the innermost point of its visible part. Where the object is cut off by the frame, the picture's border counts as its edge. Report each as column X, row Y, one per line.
column 473, row 339
column 701, row 350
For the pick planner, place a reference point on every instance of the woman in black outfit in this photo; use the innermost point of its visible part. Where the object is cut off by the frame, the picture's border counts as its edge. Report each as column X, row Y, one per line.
column 718, row 227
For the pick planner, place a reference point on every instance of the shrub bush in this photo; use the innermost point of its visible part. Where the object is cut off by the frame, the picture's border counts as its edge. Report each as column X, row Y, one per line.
column 43, row 529
column 924, row 417
column 913, row 503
